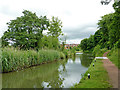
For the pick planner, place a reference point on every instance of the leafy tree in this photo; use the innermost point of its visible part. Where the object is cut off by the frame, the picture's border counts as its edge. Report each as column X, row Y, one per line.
column 50, row 42
column 55, row 27
column 63, row 46
column 109, row 27
column 83, row 44
column 114, row 27
column 4, row 41
column 104, row 30
column 114, row 34
column 90, row 43
column 87, row 43
column 25, row 31
column 97, row 37
column 116, row 6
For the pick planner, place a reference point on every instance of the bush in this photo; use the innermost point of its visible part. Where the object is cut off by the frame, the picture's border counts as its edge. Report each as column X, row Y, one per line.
column 98, row 51
column 62, row 56
column 65, row 52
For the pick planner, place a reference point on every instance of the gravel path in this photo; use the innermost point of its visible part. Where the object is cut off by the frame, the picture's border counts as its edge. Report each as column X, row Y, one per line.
column 112, row 71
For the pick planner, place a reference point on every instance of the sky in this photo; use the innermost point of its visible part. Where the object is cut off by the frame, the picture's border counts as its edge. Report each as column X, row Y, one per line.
column 79, row 17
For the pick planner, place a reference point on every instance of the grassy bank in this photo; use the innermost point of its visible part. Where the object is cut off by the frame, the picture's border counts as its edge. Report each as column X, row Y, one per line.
column 13, row 59
column 98, row 77
column 114, row 56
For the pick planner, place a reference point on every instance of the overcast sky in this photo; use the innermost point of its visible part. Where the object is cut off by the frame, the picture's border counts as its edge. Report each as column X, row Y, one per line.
column 79, row 17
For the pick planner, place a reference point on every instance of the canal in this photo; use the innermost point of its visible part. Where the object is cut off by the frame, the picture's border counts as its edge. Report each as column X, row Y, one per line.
column 58, row 74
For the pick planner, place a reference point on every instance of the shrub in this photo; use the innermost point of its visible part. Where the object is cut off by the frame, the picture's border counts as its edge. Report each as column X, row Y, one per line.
column 98, row 51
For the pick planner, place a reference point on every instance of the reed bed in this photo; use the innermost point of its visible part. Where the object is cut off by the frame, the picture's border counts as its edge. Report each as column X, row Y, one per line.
column 13, row 59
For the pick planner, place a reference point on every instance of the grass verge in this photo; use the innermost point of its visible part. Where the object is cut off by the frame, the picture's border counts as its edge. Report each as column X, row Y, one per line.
column 98, row 77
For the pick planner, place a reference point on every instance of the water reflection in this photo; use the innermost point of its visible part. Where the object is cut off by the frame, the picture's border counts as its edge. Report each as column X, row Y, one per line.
column 63, row 73
column 73, row 72
column 86, row 59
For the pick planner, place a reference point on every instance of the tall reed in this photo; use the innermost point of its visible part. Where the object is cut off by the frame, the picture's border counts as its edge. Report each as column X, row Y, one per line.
column 13, row 59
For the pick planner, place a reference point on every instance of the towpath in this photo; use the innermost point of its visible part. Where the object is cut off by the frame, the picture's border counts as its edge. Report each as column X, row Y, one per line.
column 112, row 72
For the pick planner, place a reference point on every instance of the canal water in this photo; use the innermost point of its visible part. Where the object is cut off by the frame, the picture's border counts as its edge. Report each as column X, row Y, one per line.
column 58, row 74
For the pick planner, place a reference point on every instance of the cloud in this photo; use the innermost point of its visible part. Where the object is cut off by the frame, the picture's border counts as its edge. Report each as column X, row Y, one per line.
column 80, row 32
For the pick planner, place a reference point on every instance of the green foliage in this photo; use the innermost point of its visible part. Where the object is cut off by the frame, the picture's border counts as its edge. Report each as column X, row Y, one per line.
column 55, row 27
column 116, row 6
column 25, row 31
column 117, row 44
column 114, row 28
column 49, row 42
column 83, row 44
column 65, row 52
column 97, row 37
column 62, row 55
column 76, row 48
column 13, row 59
column 90, row 43
column 109, row 26
column 98, row 52
column 63, row 46
column 72, row 52
column 103, row 30
column 114, row 56
column 87, row 43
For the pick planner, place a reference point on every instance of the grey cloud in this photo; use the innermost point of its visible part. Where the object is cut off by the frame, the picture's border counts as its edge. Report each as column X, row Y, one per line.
column 80, row 32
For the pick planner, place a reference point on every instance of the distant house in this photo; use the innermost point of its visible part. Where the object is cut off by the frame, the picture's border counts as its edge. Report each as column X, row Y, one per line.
column 67, row 46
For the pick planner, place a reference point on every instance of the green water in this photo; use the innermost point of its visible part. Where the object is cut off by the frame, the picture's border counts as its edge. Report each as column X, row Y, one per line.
column 62, row 73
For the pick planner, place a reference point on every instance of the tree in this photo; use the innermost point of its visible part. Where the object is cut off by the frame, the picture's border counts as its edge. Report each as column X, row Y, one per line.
column 4, row 40
column 90, row 43
column 50, row 42
column 116, row 6
column 83, row 44
column 114, row 26
column 109, row 27
column 97, row 37
column 87, row 43
column 55, row 27
column 25, row 31
column 104, row 30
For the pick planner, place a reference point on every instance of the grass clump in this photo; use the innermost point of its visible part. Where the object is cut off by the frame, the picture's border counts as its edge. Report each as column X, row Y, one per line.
column 98, row 77
column 13, row 59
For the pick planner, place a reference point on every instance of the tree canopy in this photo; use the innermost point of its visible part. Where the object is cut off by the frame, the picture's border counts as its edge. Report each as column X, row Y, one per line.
column 55, row 27
column 25, row 32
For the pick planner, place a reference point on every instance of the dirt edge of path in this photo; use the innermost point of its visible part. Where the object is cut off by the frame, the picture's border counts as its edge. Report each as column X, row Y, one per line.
column 112, row 71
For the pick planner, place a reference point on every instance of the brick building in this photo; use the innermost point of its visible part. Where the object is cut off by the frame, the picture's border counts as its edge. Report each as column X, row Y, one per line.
column 67, row 46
